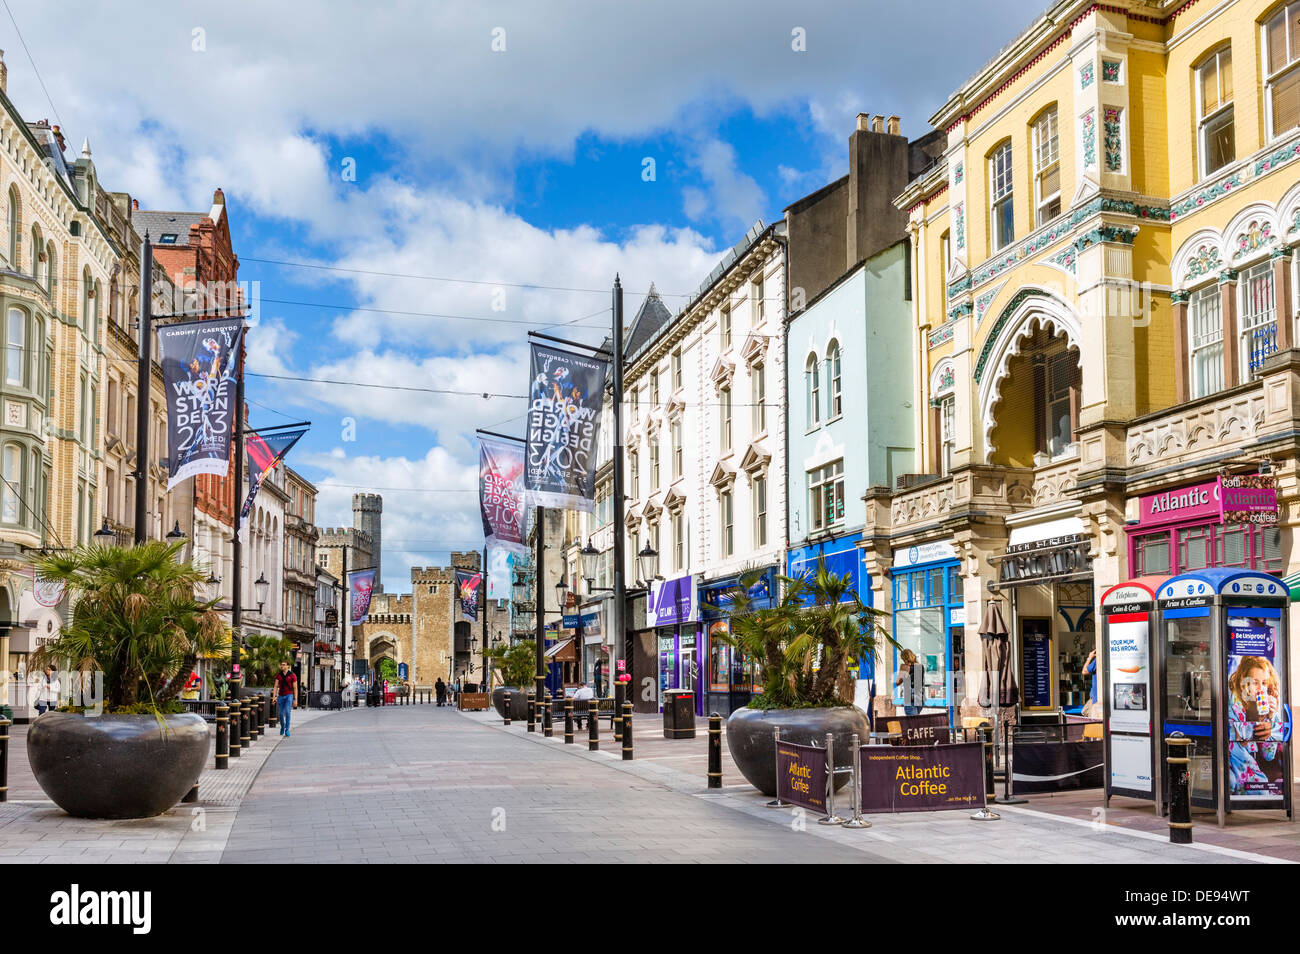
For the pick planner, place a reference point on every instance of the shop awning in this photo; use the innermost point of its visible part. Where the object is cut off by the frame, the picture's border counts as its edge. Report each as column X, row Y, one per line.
column 1292, row 584
column 563, row 651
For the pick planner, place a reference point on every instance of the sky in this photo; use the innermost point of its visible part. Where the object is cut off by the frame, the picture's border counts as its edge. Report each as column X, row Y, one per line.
column 415, row 186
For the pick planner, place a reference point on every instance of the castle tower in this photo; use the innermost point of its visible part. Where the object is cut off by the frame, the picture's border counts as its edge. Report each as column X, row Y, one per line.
column 367, row 516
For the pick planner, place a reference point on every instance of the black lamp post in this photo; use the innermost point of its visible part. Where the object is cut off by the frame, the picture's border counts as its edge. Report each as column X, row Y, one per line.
column 647, row 564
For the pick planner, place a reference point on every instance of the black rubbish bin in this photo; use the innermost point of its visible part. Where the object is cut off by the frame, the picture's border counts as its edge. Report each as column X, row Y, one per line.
column 679, row 714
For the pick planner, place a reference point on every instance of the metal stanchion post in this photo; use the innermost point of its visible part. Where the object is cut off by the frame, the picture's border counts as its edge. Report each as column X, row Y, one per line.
column 568, row 721
column 715, row 750
column 776, row 751
column 593, row 724
column 223, row 737
column 857, row 821
column 509, row 702
column 547, row 728
column 532, row 713
column 1180, row 793
column 985, row 813
column 1008, row 797
column 4, row 759
column 831, row 818
column 627, row 732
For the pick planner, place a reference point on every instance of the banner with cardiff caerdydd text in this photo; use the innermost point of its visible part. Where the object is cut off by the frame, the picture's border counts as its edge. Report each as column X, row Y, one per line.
column 565, row 394
column 501, row 493
column 199, row 364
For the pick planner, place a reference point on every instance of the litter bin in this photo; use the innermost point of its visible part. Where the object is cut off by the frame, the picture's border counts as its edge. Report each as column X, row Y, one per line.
column 679, row 714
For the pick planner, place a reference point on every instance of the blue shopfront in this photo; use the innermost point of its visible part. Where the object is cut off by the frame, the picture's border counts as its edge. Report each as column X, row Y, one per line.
column 731, row 678
column 929, row 618
column 841, row 555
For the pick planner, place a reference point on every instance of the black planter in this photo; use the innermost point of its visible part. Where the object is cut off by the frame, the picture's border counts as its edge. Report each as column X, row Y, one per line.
column 518, row 703
column 117, row 766
column 752, row 743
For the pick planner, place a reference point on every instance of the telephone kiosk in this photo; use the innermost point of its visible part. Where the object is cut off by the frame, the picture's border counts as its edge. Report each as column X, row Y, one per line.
column 1218, row 666
column 1131, row 702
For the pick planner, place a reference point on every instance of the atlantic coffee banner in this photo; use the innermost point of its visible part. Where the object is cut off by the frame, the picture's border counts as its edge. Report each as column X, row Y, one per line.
column 801, row 775
column 501, row 493
column 467, row 584
column 564, row 402
column 199, row 362
column 916, row 778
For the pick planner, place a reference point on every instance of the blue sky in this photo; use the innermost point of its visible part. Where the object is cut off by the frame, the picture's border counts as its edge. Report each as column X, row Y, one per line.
column 518, row 166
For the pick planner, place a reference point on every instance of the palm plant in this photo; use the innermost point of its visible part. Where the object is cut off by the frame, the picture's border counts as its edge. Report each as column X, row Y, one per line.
column 806, row 645
column 517, row 662
column 135, row 618
column 261, row 658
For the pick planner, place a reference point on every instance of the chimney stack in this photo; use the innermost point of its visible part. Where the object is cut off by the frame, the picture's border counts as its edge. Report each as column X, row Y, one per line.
column 893, row 126
column 218, row 197
column 4, row 74
column 135, row 205
column 864, row 122
column 877, row 123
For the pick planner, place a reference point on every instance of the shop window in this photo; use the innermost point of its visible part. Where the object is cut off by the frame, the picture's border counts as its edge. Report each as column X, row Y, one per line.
column 1257, row 319
column 1151, row 554
column 1205, row 341
column 1269, row 549
column 826, row 495
column 1195, row 550
column 1002, row 226
column 1232, row 546
column 1282, row 69
column 1047, row 168
column 1214, row 112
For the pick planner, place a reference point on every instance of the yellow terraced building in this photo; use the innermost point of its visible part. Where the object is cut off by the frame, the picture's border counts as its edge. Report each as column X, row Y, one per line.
column 1105, row 310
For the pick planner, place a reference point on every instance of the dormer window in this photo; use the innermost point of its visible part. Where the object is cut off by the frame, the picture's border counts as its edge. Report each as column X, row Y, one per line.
column 168, row 238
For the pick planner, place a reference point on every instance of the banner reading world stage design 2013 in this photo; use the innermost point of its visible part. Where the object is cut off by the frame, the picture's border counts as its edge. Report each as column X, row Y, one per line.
column 501, row 493
column 564, row 399
column 199, row 360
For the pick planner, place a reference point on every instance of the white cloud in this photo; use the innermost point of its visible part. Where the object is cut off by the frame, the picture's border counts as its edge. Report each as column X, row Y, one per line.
column 734, row 199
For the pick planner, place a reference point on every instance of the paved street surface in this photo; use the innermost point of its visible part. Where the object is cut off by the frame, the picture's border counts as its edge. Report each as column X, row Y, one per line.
column 420, row 783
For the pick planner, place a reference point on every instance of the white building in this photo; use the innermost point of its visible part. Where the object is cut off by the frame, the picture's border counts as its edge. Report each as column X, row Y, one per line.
column 263, row 555
column 705, row 460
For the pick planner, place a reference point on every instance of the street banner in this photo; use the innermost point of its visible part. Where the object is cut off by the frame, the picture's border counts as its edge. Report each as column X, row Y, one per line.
column 917, row 778
column 501, row 574
column 801, row 775
column 501, row 494
column 263, row 452
column 467, row 583
column 928, row 729
column 360, row 583
column 563, row 428
column 199, row 362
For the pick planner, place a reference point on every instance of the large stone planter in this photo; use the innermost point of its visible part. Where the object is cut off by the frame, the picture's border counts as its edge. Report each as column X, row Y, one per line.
column 518, row 703
column 117, row 766
column 752, row 743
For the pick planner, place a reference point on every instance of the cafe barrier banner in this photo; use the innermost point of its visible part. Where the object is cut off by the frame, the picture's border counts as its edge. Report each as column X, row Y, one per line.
column 801, row 776
column 920, row 778
column 1058, row 766
column 928, row 729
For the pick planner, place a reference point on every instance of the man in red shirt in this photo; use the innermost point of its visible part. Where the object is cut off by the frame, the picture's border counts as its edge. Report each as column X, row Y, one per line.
column 286, row 695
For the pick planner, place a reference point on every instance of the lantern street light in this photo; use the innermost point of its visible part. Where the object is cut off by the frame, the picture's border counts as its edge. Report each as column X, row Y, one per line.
column 177, row 535
column 647, row 564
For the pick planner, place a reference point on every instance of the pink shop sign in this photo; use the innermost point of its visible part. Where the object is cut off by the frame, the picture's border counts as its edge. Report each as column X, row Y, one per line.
column 1185, row 503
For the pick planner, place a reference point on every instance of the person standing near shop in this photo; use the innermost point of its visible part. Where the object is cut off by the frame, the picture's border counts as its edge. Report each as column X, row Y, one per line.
column 1092, row 710
column 45, row 691
column 911, row 676
column 286, row 695
column 440, row 690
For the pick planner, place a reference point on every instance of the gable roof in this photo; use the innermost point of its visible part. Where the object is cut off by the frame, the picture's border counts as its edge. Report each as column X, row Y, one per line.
column 159, row 224
column 651, row 317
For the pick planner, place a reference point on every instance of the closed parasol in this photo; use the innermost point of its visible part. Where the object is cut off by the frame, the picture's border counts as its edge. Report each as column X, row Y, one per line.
column 997, row 659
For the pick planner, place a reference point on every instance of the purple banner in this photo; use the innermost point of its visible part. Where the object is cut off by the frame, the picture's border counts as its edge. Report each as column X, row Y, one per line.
column 360, row 583
column 928, row 729
column 917, row 778
column 801, row 776
column 199, row 362
column 671, row 602
column 501, row 493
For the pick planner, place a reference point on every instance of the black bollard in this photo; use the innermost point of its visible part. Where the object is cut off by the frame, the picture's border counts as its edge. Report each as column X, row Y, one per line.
column 235, row 746
column 509, row 702
column 627, row 732
column 4, row 759
column 192, row 795
column 990, row 789
column 245, row 729
column 532, row 713
column 256, row 727
column 568, row 721
column 616, row 716
column 223, row 737
column 715, row 750
column 593, row 725
column 273, row 715
column 1180, row 794
column 547, row 729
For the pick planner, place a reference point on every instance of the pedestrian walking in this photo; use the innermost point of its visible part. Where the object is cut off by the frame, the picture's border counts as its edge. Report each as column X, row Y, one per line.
column 286, row 695
column 455, row 693
column 440, row 690
column 45, row 694
column 911, row 676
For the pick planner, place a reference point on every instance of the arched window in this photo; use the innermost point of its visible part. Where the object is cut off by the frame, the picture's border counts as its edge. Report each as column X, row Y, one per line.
column 38, row 249
column 51, row 267
column 812, row 374
column 12, row 221
column 96, row 295
column 834, row 399
column 16, row 347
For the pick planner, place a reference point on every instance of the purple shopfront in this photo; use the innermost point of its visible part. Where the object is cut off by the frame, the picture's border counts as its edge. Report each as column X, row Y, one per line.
column 1183, row 530
column 673, row 611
